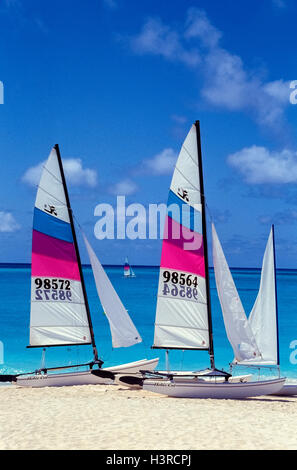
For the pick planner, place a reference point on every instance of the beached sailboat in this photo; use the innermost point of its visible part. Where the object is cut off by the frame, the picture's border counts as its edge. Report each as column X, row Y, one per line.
column 128, row 271
column 255, row 340
column 60, row 314
column 183, row 316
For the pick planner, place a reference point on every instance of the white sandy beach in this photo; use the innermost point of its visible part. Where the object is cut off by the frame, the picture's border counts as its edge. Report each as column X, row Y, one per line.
column 115, row 418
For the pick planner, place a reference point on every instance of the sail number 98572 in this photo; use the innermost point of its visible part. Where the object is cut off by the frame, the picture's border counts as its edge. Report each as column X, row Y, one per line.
column 52, row 289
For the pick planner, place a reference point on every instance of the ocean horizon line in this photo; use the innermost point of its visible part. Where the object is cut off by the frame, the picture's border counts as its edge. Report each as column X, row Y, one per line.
column 87, row 265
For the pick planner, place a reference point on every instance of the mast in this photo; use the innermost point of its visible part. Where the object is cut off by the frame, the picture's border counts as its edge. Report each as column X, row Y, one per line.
column 211, row 350
column 275, row 293
column 96, row 359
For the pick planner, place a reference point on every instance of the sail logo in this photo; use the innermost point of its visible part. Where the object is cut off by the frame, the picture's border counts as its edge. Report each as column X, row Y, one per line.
column 50, row 209
column 183, row 194
column 1, row 353
column 293, row 95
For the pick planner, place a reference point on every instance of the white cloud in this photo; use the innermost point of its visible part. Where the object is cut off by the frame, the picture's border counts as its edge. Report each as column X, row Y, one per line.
column 199, row 26
column 227, row 82
column 162, row 163
column 259, row 165
column 159, row 39
column 74, row 172
column 125, row 187
column 8, row 222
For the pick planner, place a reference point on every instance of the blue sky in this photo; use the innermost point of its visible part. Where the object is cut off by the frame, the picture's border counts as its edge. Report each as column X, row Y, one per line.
column 118, row 83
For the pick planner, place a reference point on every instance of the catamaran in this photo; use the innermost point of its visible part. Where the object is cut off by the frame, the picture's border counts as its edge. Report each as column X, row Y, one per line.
column 183, row 316
column 60, row 313
column 255, row 341
column 128, row 271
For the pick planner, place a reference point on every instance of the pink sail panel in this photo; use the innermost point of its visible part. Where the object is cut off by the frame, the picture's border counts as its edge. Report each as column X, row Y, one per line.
column 52, row 257
column 182, row 249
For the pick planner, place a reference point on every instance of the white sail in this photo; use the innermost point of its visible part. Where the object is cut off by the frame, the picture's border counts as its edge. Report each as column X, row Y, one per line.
column 123, row 331
column 58, row 312
column 182, row 314
column 263, row 317
column 238, row 330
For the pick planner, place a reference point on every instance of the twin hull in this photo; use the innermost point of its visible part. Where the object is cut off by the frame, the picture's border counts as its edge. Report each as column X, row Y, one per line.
column 84, row 377
column 181, row 388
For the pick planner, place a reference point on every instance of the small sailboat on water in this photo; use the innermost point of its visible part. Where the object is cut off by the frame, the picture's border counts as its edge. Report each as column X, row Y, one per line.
column 60, row 313
column 128, row 271
column 183, row 316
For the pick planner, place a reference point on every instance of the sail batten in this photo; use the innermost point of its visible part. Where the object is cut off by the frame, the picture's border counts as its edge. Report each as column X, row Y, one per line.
column 182, row 317
column 58, row 307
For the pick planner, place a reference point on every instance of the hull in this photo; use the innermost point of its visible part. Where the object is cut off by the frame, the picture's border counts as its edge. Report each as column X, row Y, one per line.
column 181, row 388
column 289, row 389
column 83, row 377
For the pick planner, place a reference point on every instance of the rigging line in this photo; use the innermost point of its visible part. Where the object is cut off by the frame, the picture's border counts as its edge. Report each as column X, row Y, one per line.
column 77, row 222
column 209, row 212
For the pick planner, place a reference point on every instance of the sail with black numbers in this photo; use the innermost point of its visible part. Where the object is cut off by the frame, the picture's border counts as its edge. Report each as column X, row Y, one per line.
column 183, row 307
column 58, row 304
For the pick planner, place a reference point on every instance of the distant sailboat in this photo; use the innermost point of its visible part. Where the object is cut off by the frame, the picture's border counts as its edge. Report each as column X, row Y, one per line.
column 60, row 314
column 183, row 316
column 128, row 271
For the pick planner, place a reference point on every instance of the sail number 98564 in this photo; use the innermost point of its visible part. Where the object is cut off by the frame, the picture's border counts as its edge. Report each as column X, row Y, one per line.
column 184, row 285
column 180, row 278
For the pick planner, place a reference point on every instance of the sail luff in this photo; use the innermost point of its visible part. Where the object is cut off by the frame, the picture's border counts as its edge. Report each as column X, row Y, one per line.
column 95, row 353
column 204, row 233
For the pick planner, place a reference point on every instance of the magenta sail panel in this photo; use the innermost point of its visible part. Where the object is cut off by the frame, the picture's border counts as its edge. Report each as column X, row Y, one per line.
column 52, row 257
column 182, row 249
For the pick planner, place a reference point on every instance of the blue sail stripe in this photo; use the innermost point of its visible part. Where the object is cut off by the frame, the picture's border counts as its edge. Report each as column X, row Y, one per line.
column 52, row 226
column 183, row 213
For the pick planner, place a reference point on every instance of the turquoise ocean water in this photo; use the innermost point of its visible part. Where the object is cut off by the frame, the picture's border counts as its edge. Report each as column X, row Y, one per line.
column 139, row 297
